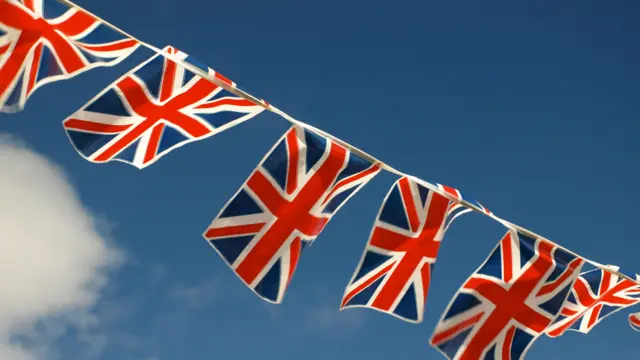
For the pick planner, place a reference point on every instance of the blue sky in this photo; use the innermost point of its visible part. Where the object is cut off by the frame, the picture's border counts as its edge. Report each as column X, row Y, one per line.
column 529, row 106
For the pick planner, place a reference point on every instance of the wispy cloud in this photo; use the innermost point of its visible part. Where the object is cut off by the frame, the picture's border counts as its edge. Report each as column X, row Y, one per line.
column 196, row 295
column 320, row 314
column 54, row 258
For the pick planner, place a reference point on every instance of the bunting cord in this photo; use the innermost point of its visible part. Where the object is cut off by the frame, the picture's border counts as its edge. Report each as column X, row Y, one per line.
column 212, row 78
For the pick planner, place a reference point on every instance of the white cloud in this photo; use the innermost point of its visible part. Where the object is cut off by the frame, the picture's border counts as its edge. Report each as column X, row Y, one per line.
column 53, row 258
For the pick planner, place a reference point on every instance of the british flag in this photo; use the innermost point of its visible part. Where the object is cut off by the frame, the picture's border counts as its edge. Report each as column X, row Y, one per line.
column 596, row 294
column 42, row 41
column 456, row 194
column 634, row 321
column 396, row 267
column 508, row 302
column 155, row 108
column 286, row 202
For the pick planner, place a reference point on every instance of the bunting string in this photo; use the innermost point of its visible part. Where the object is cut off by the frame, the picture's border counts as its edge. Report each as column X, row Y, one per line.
column 226, row 84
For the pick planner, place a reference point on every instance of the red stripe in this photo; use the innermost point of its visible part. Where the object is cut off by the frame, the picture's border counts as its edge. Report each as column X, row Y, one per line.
column 234, row 230
column 410, row 205
column 89, row 126
column 225, row 101
column 168, row 80
column 114, row 46
column 294, row 154
column 507, row 257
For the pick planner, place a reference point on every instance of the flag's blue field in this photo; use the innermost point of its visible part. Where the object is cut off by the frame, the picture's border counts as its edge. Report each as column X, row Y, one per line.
column 532, row 107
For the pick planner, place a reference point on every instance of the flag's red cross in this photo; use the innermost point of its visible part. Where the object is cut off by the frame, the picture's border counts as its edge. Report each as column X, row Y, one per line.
column 422, row 245
column 35, row 31
column 509, row 303
column 584, row 296
column 291, row 215
column 167, row 107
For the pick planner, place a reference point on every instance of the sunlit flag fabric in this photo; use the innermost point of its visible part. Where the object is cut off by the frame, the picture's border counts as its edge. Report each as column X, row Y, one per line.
column 595, row 295
column 285, row 204
column 155, row 108
column 508, row 302
column 634, row 321
column 395, row 270
column 42, row 41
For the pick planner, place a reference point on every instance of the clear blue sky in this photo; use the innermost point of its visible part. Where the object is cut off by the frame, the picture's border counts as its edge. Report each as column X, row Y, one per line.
column 530, row 106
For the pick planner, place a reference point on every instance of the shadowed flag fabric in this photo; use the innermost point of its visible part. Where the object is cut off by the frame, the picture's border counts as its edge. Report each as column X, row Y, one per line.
column 154, row 109
column 634, row 321
column 596, row 295
column 508, row 302
column 456, row 194
column 43, row 41
column 396, row 267
column 286, row 202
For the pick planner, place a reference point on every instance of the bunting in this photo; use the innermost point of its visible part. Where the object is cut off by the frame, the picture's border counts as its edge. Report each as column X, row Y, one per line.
column 596, row 294
column 283, row 206
column 42, row 41
column 152, row 110
column 528, row 286
column 508, row 302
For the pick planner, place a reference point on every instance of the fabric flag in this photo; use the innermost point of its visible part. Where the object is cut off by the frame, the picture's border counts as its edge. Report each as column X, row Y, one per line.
column 634, row 321
column 155, row 108
column 286, row 202
column 395, row 269
column 43, row 41
column 595, row 295
column 508, row 302
column 456, row 194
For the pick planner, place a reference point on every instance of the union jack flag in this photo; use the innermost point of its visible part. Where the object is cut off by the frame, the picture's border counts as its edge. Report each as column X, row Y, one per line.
column 456, row 194
column 508, row 302
column 634, row 321
column 395, row 269
column 595, row 295
column 286, row 202
column 42, row 41
column 155, row 108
